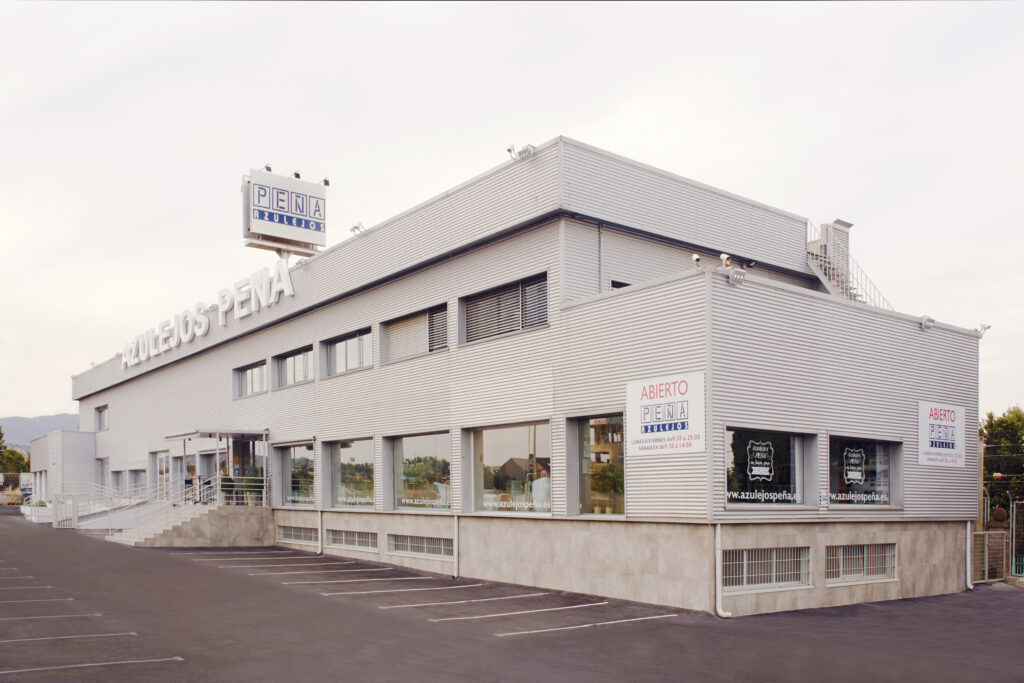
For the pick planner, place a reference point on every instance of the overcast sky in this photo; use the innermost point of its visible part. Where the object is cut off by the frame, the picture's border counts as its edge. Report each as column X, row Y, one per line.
column 126, row 128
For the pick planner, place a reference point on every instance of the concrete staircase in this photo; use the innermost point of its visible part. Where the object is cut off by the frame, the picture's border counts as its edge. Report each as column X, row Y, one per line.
column 202, row 526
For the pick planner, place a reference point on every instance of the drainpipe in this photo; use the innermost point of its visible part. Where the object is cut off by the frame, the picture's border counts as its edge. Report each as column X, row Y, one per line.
column 320, row 534
column 455, row 547
column 718, row 574
column 967, row 554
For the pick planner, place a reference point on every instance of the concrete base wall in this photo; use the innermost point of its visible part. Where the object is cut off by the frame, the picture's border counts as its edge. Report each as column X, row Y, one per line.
column 222, row 527
column 669, row 564
column 930, row 560
column 660, row 563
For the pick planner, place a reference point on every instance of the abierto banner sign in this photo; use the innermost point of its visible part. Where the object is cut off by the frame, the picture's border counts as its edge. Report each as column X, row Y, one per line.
column 665, row 415
column 941, row 439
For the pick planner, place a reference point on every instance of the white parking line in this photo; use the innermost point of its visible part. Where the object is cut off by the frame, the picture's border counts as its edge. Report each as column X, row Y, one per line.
column 399, row 578
column 528, row 611
column 267, row 566
column 231, row 552
column 325, row 571
column 8, row 569
column 17, row 577
column 83, row 666
column 53, row 616
column 21, row 588
column 408, row 590
column 11, row 602
column 87, row 635
column 249, row 558
column 461, row 602
column 570, row 628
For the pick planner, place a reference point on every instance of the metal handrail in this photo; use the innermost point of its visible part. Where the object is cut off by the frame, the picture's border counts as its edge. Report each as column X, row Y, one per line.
column 849, row 278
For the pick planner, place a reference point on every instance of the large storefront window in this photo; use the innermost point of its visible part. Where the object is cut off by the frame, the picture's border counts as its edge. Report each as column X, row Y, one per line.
column 297, row 474
column 351, row 472
column 602, row 472
column 763, row 467
column 513, row 468
column 422, row 471
column 858, row 471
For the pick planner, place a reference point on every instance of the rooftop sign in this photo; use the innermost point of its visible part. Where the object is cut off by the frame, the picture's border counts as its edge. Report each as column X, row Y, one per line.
column 280, row 208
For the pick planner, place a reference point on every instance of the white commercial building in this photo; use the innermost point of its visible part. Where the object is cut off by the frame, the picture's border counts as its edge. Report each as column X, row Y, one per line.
column 579, row 372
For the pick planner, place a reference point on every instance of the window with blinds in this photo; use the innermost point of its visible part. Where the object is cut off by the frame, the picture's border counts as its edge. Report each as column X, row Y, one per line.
column 516, row 306
column 416, row 334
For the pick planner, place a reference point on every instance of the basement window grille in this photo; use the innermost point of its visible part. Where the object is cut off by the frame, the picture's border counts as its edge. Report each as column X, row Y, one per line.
column 765, row 568
column 844, row 563
column 352, row 539
column 298, row 534
column 421, row 545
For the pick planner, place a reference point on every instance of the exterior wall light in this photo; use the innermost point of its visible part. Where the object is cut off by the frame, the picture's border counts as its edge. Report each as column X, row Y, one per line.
column 927, row 323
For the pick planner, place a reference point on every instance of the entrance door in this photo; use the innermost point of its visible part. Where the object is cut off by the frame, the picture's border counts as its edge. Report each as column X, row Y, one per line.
column 242, row 462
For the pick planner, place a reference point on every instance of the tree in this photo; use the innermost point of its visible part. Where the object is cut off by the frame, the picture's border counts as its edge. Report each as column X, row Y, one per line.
column 1004, row 456
column 12, row 461
column 3, row 446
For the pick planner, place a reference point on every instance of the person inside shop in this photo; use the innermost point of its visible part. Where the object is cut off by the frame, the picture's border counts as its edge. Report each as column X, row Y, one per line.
column 542, row 491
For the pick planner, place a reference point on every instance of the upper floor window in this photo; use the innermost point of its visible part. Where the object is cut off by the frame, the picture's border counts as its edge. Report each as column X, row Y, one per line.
column 350, row 352
column 102, row 419
column 293, row 367
column 516, row 306
column 251, row 379
column 416, row 334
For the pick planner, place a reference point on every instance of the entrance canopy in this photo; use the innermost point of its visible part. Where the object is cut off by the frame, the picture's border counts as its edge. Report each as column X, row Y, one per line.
column 241, row 434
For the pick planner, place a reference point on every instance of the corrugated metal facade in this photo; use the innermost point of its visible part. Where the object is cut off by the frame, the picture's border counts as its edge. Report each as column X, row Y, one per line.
column 777, row 354
column 803, row 362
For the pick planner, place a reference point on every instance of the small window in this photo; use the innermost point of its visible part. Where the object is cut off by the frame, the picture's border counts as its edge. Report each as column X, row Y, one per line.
column 251, row 379
column 102, row 419
column 765, row 568
column 350, row 352
column 859, row 471
column 293, row 368
column 517, row 306
column 618, row 284
column 416, row 334
column 844, row 563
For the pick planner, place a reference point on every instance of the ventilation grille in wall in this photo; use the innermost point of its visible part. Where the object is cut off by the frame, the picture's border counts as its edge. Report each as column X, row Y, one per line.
column 421, row 545
column 352, row 539
column 299, row 534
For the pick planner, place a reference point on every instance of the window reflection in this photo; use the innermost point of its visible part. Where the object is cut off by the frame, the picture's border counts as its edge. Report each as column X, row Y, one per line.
column 422, row 471
column 513, row 468
column 602, row 469
column 351, row 473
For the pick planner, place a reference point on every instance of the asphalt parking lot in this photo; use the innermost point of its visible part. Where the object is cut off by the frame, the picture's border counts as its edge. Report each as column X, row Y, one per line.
column 76, row 608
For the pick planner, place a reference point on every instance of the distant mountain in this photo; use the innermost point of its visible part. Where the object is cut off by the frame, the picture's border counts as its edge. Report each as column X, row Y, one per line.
column 21, row 430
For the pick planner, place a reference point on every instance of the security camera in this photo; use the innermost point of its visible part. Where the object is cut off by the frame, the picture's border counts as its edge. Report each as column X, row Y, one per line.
column 726, row 260
column 696, row 261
